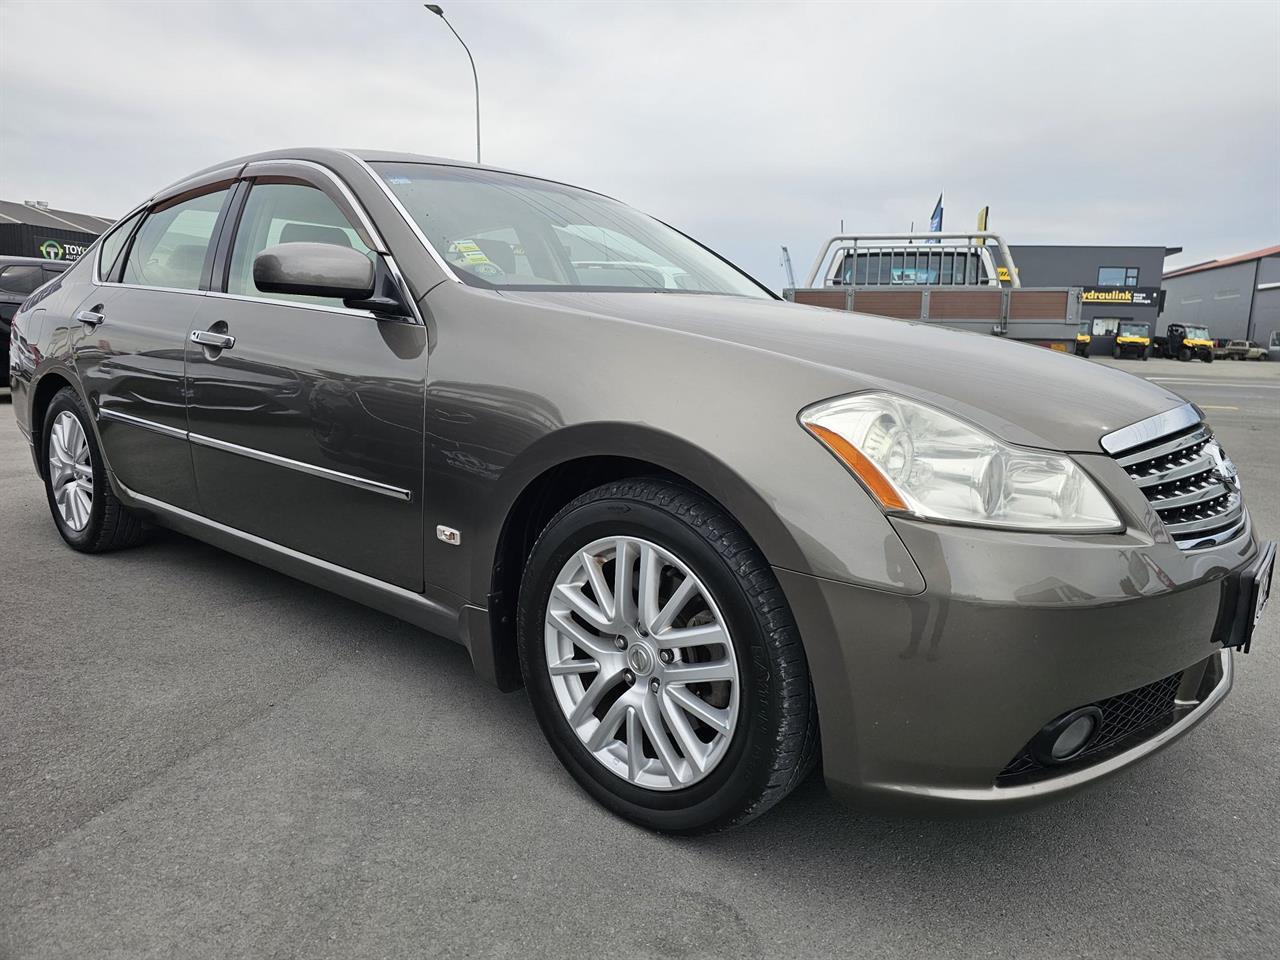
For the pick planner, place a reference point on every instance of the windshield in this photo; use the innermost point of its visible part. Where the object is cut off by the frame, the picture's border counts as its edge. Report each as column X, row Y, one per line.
column 503, row 231
column 1134, row 330
column 1197, row 333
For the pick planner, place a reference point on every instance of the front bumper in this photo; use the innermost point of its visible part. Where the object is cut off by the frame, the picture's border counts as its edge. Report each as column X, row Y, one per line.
column 932, row 698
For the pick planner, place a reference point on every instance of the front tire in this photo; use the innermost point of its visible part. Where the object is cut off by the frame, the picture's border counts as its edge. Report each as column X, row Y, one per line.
column 85, row 510
column 662, row 660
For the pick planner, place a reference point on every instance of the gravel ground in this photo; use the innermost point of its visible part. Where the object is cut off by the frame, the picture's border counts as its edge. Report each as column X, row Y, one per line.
column 202, row 758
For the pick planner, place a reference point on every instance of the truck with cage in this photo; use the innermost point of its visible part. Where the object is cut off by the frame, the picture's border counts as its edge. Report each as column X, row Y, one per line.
column 964, row 280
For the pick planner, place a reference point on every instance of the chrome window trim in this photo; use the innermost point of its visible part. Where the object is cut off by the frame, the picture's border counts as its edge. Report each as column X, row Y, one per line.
column 324, row 473
column 408, row 218
column 106, row 413
column 372, row 486
column 1069, row 781
column 366, row 222
column 302, row 305
column 1152, row 428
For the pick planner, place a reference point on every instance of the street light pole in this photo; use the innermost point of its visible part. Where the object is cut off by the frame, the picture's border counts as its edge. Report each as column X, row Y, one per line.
column 439, row 12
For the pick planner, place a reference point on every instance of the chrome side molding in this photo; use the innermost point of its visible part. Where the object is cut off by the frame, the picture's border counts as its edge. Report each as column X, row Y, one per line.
column 106, row 413
column 361, row 483
column 373, row 486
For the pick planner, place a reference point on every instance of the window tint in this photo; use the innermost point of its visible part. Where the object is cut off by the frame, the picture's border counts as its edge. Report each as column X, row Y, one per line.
column 113, row 245
column 20, row 278
column 287, row 213
column 1105, row 326
column 170, row 247
column 1117, row 276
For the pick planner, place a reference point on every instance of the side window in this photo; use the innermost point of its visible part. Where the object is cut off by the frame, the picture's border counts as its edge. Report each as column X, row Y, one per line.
column 286, row 213
column 170, row 247
column 1105, row 326
column 113, row 245
column 20, row 278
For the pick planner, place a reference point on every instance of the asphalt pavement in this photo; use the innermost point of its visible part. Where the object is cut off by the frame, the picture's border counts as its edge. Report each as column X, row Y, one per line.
column 202, row 758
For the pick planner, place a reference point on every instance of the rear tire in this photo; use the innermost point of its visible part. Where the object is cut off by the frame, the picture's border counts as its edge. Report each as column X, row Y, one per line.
column 85, row 510
column 1184, row 355
column 771, row 717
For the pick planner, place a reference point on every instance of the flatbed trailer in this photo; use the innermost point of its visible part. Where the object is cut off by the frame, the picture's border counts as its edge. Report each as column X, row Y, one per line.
column 952, row 279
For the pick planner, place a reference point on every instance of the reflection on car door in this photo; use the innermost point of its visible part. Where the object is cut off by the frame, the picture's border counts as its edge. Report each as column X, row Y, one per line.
column 129, row 342
column 307, row 430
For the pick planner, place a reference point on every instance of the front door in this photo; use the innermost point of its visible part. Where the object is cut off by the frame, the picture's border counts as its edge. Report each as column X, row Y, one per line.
column 306, row 419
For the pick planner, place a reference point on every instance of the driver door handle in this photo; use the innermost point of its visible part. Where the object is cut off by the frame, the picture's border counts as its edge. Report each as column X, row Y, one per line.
column 90, row 318
column 219, row 341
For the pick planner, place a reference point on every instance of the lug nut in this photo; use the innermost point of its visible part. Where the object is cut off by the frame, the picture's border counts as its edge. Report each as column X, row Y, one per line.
column 665, row 656
column 620, row 643
column 653, row 684
column 628, row 676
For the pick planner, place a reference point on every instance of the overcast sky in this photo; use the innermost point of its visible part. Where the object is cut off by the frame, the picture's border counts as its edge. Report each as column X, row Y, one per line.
column 749, row 125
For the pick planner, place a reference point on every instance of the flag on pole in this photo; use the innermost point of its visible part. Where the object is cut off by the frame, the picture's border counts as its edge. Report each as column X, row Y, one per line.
column 935, row 221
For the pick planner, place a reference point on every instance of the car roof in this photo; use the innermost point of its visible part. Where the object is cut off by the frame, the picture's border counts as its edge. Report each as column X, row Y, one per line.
column 338, row 157
column 6, row 261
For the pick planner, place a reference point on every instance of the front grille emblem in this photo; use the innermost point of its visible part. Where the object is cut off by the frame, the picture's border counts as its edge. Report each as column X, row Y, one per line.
column 1224, row 470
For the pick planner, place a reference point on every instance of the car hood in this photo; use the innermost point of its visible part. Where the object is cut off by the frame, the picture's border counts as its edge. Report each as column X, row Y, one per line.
column 1022, row 393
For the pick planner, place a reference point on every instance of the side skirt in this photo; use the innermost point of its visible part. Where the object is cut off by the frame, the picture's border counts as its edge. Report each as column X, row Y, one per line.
column 422, row 611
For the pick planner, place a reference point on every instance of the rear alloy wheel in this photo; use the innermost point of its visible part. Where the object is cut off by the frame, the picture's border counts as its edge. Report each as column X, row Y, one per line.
column 85, row 509
column 662, row 660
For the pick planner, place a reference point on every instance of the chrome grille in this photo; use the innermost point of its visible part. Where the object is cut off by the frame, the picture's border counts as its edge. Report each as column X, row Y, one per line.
column 1191, row 484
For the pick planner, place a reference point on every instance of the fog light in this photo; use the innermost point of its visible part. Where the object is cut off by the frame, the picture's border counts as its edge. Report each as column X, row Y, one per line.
column 1067, row 737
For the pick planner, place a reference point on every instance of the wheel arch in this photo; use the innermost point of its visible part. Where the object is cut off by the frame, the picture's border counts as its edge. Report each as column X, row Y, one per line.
column 555, row 471
column 42, row 394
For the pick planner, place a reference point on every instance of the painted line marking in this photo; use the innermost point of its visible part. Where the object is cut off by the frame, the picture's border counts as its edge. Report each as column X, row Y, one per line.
column 1220, row 384
column 1211, row 406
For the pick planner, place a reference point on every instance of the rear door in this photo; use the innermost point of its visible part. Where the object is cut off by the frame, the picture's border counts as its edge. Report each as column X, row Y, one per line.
column 307, row 429
column 130, row 338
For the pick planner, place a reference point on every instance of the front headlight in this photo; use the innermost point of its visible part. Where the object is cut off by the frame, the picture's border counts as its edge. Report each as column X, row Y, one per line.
column 917, row 460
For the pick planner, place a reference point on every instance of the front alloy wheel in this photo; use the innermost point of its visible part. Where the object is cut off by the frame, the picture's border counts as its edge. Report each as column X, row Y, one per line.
column 641, row 663
column 662, row 660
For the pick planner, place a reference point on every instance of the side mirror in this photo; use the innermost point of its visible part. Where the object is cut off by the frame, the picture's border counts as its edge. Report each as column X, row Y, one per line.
column 315, row 270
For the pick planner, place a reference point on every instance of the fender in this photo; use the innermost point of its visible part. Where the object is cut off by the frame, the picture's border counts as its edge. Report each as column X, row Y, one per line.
column 649, row 445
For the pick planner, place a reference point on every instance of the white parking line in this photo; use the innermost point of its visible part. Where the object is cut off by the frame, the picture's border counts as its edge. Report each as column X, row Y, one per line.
column 1243, row 385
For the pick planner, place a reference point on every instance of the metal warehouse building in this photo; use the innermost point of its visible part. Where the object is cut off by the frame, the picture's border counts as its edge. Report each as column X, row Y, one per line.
column 1237, row 298
column 1116, row 283
column 33, row 229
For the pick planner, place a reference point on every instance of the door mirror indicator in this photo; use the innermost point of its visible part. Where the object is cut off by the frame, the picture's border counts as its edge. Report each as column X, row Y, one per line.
column 315, row 270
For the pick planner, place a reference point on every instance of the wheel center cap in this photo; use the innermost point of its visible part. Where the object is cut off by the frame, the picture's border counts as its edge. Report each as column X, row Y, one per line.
column 640, row 659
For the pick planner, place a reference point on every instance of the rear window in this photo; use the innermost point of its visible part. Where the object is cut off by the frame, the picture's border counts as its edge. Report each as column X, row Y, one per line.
column 21, row 278
column 170, row 247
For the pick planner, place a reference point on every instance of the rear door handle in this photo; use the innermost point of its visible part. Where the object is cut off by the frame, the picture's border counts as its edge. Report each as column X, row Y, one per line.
column 90, row 318
column 219, row 341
